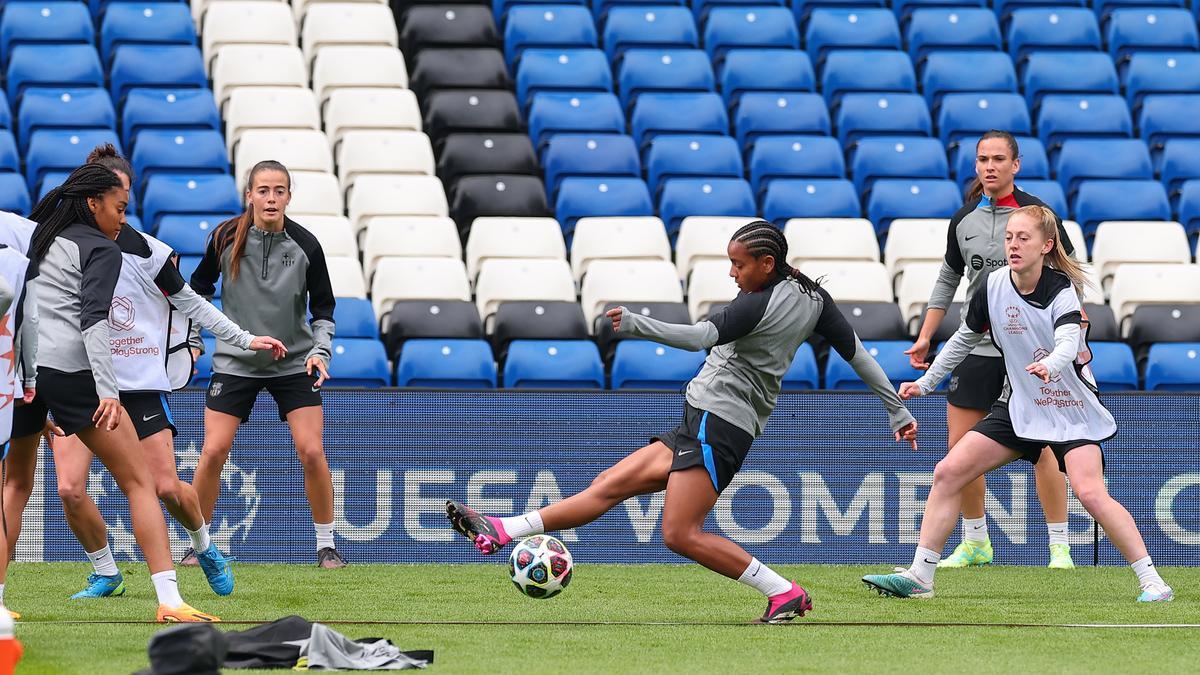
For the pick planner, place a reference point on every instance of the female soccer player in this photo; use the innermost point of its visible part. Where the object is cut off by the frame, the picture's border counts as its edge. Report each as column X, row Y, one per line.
column 752, row 341
column 975, row 245
column 78, row 269
column 274, row 271
column 151, row 284
column 1033, row 313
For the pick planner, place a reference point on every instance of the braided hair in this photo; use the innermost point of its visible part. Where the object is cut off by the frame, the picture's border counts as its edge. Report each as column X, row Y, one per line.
column 67, row 204
column 762, row 238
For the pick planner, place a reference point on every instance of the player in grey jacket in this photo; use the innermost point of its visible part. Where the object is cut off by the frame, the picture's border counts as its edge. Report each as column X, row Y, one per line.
column 274, row 274
column 752, row 341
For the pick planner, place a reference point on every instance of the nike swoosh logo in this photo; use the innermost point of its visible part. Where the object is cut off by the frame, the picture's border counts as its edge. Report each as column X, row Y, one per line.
column 970, row 237
column 316, row 389
column 930, row 562
column 147, row 419
column 681, row 453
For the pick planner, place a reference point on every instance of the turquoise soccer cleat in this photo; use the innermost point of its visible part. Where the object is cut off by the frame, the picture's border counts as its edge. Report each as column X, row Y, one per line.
column 1156, row 593
column 216, row 570
column 969, row 554
column 100, row 586
column 901, row 584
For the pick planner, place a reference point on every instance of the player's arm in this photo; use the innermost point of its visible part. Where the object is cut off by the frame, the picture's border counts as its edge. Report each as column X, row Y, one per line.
column 958, row 347
column 321, row 303
column 27, row 331
column 736, row 320
column 199, row 310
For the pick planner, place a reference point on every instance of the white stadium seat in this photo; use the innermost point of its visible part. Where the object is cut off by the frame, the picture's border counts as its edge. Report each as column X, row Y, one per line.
column 503, row 279
column 1093, row 293
column 709, row 286
column 830, row 239
column 1075, row 234
column 417, row 279
column 627, row 238
column 628, row 281
column 201, row 7
column 300, row 7
column 704, row 238
column 370, row 109
column 316, row 193
column 334, row 233
column 345, row 275
column 346, row 23
column 297, row 149
column 913, row 240
column 1148, row 284
column 1119, row 242
column 513, row 237
column 915, row 287
column 269, row 108
column 851, row 281
column 256, row 22
column 396, row 196
column 337, row 67
column 388, row 152
column 256, row 66
column 409, row 237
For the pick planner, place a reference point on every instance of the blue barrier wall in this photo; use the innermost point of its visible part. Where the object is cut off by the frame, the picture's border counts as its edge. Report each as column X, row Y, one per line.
column 825, row 484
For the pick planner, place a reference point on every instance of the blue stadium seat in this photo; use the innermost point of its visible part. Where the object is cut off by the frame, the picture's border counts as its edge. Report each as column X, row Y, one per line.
column 1167, row 116
column 355, row 318
column 963, row 117
column 749, row 27
column 62, row 149
column 803, row 374
column 776, row 70
column 579, row 112
column 1188, row 208
column 547, row 26
column 48, row 23
column 169, row 109
column 1160, row 73
column 573, row 70
column 145, row 23
column 641, row 364
column 553, row 364
column 501, row 8
column 1064, row 116
column 683, row 197
column 932, row 28
column 360, row 363
column 650, row 26
column 849, row 28
column 618, row 196
column 1113, row 366
column 134, row 222
column 1130, row 29
column 1068, row 72
column 774, row 157
column 589, row 155
column 896, row 157
column 14, row 194
column 1034, row 163
column 188, row 234
column 6, row 119
column 1104, row 8
column 10, row 160
column 1100, row 200
column 702, row 8
column 893, row 198
column 860, row 115
column 762, row 114
column 52, row 66
column 905, row 8
column 1049, row 191
column 51, row 180
column 1005, row 8
column 201, row 194
column 1173, row 367
column 1180, row 162
column 847, row 70
column 677, row 113
column 1047, row 28
column 602, row 9
column 158, row 66
column 663, row 70
column 681, row 156
column 186, row 152
column 1086, row 159
column 810, row 198
column 888, row 353
column 446, row 364
column 803, row 9
column 63, row 109
column 949, row 71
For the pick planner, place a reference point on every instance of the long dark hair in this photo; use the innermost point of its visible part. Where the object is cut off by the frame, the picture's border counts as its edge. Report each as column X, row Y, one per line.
column 107, row 156
column 975, row 189
column 233, row 232
column 762, row 238
column 67, row 204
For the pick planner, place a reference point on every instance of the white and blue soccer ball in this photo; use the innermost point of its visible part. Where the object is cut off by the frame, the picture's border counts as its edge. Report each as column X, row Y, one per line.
column 540, row 566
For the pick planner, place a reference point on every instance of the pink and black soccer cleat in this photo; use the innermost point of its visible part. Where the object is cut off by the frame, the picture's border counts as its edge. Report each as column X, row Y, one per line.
column 487, row 533
column 784, row 607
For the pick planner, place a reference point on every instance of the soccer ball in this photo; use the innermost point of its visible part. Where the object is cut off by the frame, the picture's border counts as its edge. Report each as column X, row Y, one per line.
column 540, row 566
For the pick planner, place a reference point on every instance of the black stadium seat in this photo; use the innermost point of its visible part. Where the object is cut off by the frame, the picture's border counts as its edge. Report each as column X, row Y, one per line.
column 474, row 154
column 458, row 69
column 875, row 320
column 606, row 339
column 1102, row 325
column 447, row 26
column 401, row 8
column 430, row 319
column 496, row 195
column 1162, row 323
column 536, row 320
column 949, row 324
column 469, row 110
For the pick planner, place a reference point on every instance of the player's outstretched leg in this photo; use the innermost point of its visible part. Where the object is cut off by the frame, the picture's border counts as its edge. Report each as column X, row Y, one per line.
column 1052, row 493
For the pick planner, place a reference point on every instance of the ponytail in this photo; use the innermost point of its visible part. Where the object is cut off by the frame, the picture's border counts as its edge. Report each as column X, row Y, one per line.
column 67, row 204
column 975, row 189
column 762, row 238
column 1057, row 258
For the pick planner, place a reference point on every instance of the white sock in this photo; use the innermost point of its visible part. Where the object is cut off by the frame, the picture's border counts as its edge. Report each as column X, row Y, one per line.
column 167, row 589
column 200, row 538
column 103, row 562
column 1058, row 533
column 523, row 525
column 324, row 535
column 924, row 565
column 764, row 579
column 1, row 595
column 1147, row 573
column 975, row 529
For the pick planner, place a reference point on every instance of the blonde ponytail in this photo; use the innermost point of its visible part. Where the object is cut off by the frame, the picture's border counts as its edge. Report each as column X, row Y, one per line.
column 1057, row 258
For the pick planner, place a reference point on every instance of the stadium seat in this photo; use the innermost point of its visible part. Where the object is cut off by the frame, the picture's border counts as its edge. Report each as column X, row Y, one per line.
column 552, row 113
column 504, row 279
column 337, row 67
column 875, row 320
column 257, row 66
column 851, row 280
column 760, row 26
column 155, row 66
column 62, row 149
column 607, row 340
column 1067, row 72
column 1170, row 323
column 904, row 8
column 947, row 71
column 683, row 197
column 180, row 152
column 679, row 156
column 860, row 115
column 1160, row 73
column 663, row 70
column 642, row 238
column 1102, row 325
column 1150, row 284
column 355, row 319
column 500, row 8
column 1064, row 116
column 246, row 22
column 900, row 198
column 1189, row 206
column 359, row 24
column 382, row 195
column 1098, row 200
column 406, row 236
column 440, row 26
column 761, row 113
column 470, row 154
column 774, row 157
column 150, row 23
column 572, row 70
column 1117, row 243
column 874, row 70
column 334, row 233
column 199, row 194
column 316, row 193
column 965, row 117
column 1049, row 191
column 589, row 155
column 10, row 160
column 803, row 374
column 297, row 149
column 346, row 277
column 912, row 295
column 709, row 288
column 1166, row 116
column 553, row 364
column 1131, row 29
column 370, row 109
column 496, row 195
column 446, row 364
column 641, row 364
column 493, row 238
column 410, row 319
column 1174, row 367
column 536, row 320
column 547, row 26
column 661, row 26
column 831, row 239
column 455, row 69
column 890, row 356
column 386, row 152
column 830, row 28
column 269, row 108
column 788, row 198
column 417, row 279
column 46, row 23
column 1086, row 159
column 1078, row 241
column 579, row 197
column 775, row 70
column 704, row 238
column 72, row 108
column 627, row 281
column 1113, row 367
column 1034, row 163
column 360, row 363
column 908, row 242
column 6, row 116
column 896, row 157
column 1052, row 28
column 41, row 65
column 932, row 28
column 14, row 194
column 167, row 109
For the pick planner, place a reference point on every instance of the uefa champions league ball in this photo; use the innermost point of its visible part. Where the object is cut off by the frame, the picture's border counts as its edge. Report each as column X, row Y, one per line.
column 540, row 566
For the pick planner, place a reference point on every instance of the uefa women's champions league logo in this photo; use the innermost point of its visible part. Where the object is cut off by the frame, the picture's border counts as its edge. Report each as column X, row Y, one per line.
column 1013, row 325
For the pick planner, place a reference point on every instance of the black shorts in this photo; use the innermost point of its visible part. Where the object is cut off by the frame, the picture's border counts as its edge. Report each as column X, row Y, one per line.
column 703, row 439
column 998, row 427
column 234, row 394
column 30, row 418
column 70, row 397
column 976, row 383
column 149, row 412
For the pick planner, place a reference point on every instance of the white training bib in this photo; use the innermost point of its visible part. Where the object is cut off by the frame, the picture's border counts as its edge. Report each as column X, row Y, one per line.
column 13, row 267
column 1067, row 408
